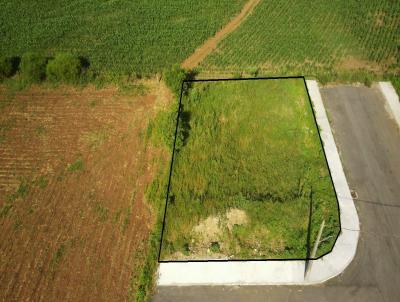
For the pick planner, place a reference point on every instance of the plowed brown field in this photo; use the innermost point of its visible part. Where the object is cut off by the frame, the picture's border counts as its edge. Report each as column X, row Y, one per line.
column 74, row 165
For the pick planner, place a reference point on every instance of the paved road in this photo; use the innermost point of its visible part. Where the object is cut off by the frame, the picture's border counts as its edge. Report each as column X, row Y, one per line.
column 369, row 144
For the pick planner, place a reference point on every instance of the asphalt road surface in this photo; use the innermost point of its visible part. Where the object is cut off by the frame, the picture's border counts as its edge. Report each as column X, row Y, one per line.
column 369, row 146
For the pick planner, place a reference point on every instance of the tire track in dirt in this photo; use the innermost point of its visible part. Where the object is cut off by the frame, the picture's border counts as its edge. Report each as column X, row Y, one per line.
column 211, row 44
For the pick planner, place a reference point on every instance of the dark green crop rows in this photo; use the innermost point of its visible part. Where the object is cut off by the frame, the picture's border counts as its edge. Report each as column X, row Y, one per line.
column 307, row 37
column 117, row 36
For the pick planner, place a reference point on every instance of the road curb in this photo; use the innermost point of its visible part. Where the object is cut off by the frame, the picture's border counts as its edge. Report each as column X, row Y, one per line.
column 392, row 100
column 282, row 272
column 345, row 248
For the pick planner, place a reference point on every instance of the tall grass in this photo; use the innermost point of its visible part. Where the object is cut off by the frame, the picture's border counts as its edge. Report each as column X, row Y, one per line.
column 254, row 146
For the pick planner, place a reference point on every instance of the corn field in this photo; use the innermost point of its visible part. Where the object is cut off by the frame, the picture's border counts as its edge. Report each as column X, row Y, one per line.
column 310, row 36
column 116, row 36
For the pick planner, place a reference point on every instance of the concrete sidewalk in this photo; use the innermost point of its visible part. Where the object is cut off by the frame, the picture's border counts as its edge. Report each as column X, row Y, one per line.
column 392, row 105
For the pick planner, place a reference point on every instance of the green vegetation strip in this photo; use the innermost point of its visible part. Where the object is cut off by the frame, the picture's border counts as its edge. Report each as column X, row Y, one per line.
column 248, row 162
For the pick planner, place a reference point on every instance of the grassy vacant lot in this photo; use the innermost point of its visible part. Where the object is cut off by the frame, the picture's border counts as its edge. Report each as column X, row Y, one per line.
column 116, row 36
column 74, row 166
column 317, row 37
column 244, row 174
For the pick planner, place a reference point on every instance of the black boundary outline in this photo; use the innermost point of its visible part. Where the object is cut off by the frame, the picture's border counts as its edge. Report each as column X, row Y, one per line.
column 307, row 258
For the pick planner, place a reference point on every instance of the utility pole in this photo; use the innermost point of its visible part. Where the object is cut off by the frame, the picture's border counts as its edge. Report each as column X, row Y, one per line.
column 315, row 247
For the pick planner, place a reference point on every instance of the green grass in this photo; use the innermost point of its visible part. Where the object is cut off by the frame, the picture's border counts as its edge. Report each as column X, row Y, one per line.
column 117, row 36
column 141, row 288
column 57, row 258
column 101, row 211
column 5, row 209
column 41, row 182
column 250, row 147
column 303, row 37
column 40, row 130
column 17, row 224
column 95, row 139
column 77, row 165
column 396, row 83
column 21, row 192
column 126, row 220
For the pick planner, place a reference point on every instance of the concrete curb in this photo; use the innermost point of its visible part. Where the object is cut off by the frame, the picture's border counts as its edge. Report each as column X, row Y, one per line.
column 392, row 100
column 282, row 272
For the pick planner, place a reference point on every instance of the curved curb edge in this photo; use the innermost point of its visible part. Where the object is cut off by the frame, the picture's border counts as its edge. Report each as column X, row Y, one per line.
column 392, row 100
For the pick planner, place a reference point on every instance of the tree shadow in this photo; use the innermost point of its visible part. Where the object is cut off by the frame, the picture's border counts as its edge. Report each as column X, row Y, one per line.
column 15, row 61
column 85, row 63
column 185, row 118
column 190, row 76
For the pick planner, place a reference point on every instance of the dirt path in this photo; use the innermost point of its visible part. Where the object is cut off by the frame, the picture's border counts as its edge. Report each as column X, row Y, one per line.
column 211, row 44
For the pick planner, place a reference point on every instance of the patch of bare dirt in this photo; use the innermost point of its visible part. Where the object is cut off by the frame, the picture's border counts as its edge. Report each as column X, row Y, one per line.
column 77, row 221
column 236, row 216
column 379, row 18
column 208, row 229
column 352, row 63
column 211, row 44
